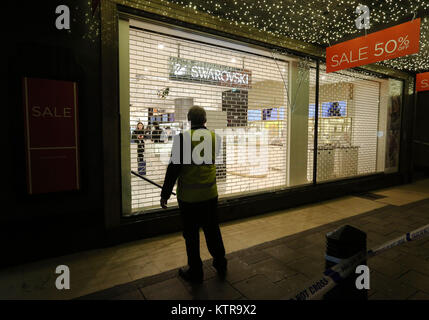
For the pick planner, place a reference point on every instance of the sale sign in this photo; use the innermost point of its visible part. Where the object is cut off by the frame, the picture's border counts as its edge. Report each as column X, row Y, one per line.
column 394, row 42
column 51, row 132
column 422, row 81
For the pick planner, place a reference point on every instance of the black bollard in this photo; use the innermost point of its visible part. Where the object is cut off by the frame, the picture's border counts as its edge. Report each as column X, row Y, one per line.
column 341, row 244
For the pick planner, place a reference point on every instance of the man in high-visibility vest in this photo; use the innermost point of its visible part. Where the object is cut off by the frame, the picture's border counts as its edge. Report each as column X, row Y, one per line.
column 193, row 164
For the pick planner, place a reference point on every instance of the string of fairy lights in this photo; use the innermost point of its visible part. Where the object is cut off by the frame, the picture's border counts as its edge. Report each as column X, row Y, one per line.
column 320, row 22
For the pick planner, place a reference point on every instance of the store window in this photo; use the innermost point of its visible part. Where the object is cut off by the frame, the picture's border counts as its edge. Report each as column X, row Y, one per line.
column 354, row 124
column 245, row 96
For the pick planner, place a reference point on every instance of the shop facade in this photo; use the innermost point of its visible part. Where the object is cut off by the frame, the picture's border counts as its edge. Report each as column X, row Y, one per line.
column 249, row 91
column 167, row 62
column 421, row 134
column 325, row 135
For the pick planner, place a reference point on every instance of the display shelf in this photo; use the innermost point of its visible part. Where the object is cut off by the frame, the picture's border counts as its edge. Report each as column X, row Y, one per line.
column 333, row 130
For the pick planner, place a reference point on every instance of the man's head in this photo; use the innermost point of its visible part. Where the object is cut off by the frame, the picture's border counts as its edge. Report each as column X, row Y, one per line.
column 197, row 116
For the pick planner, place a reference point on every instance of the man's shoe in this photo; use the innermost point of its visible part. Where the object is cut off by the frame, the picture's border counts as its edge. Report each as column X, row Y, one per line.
column 190, row 276
column 220, row 268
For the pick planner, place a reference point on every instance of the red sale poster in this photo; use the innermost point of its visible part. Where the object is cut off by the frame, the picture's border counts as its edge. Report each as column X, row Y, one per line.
column 51, row 132
column 394, row 42
column 422, row 81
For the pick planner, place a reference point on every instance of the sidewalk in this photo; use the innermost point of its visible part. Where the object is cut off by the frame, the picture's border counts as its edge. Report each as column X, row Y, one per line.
column 277, row 269
column 270, row 256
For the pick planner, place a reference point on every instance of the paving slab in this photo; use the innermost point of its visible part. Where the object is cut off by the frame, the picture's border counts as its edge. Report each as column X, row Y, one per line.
column 171, row 289
column 129, row 295
column 253, row 256
column 392, row 288
column 238, row 271
column 214, row 289
column 387, row 267
column 283, row 253
column 273, row 270
column 416, row 280
column 420, row 296
column 259, row 287
column 277, row 269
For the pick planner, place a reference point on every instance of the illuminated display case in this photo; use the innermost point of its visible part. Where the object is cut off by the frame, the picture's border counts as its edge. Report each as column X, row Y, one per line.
column 333, row 131
column 335, row 128
column 337, row 157
column 352, row 112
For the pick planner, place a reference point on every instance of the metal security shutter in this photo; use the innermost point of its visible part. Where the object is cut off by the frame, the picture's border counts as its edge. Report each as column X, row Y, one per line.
column 235, row 109
column 365, row 124
column 349, row 106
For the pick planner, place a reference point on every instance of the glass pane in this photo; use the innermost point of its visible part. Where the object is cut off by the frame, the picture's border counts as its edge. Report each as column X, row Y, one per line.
column 263, row 105
column 349, row 115
column 246, row 101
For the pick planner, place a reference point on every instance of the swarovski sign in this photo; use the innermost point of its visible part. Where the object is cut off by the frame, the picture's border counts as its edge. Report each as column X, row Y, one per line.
column 208, row 73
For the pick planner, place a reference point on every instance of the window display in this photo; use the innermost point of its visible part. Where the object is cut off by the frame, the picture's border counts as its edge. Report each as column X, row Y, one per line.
column 254, row 115
column 334, row 109
column 234, row 95
column 247, row 99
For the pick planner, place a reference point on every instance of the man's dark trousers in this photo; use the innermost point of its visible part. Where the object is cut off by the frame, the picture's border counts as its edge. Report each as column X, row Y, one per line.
column 202, row 214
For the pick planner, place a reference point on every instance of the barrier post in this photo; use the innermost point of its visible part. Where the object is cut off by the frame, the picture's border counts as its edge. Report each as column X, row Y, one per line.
column 341, row 244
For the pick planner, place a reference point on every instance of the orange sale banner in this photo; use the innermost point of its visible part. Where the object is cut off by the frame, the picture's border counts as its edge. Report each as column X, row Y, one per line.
column 422, row 81
column 394, row 42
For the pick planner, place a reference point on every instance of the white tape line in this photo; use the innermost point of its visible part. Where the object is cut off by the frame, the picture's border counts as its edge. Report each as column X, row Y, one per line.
column 311, row 290
column 316, row 289
column 393, row 243
column 347, row 266
column 418, row 233
column 410, row 236
column 332, row 259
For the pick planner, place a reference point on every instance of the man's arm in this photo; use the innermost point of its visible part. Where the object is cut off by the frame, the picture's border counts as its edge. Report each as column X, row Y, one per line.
column 171, row 176
column 173, row 169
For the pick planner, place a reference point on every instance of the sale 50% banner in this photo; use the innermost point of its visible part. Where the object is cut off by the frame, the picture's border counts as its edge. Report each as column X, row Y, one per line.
column 394, row 42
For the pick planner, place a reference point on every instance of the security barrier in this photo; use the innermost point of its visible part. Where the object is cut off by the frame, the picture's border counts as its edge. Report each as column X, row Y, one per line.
column 332, row 276
column 341, row 244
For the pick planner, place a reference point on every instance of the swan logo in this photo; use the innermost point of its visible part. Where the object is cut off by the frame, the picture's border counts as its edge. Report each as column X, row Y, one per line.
column 179, row 70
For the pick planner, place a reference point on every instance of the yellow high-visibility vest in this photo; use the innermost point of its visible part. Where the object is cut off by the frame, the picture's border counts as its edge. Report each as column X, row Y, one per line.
column 197, row 182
